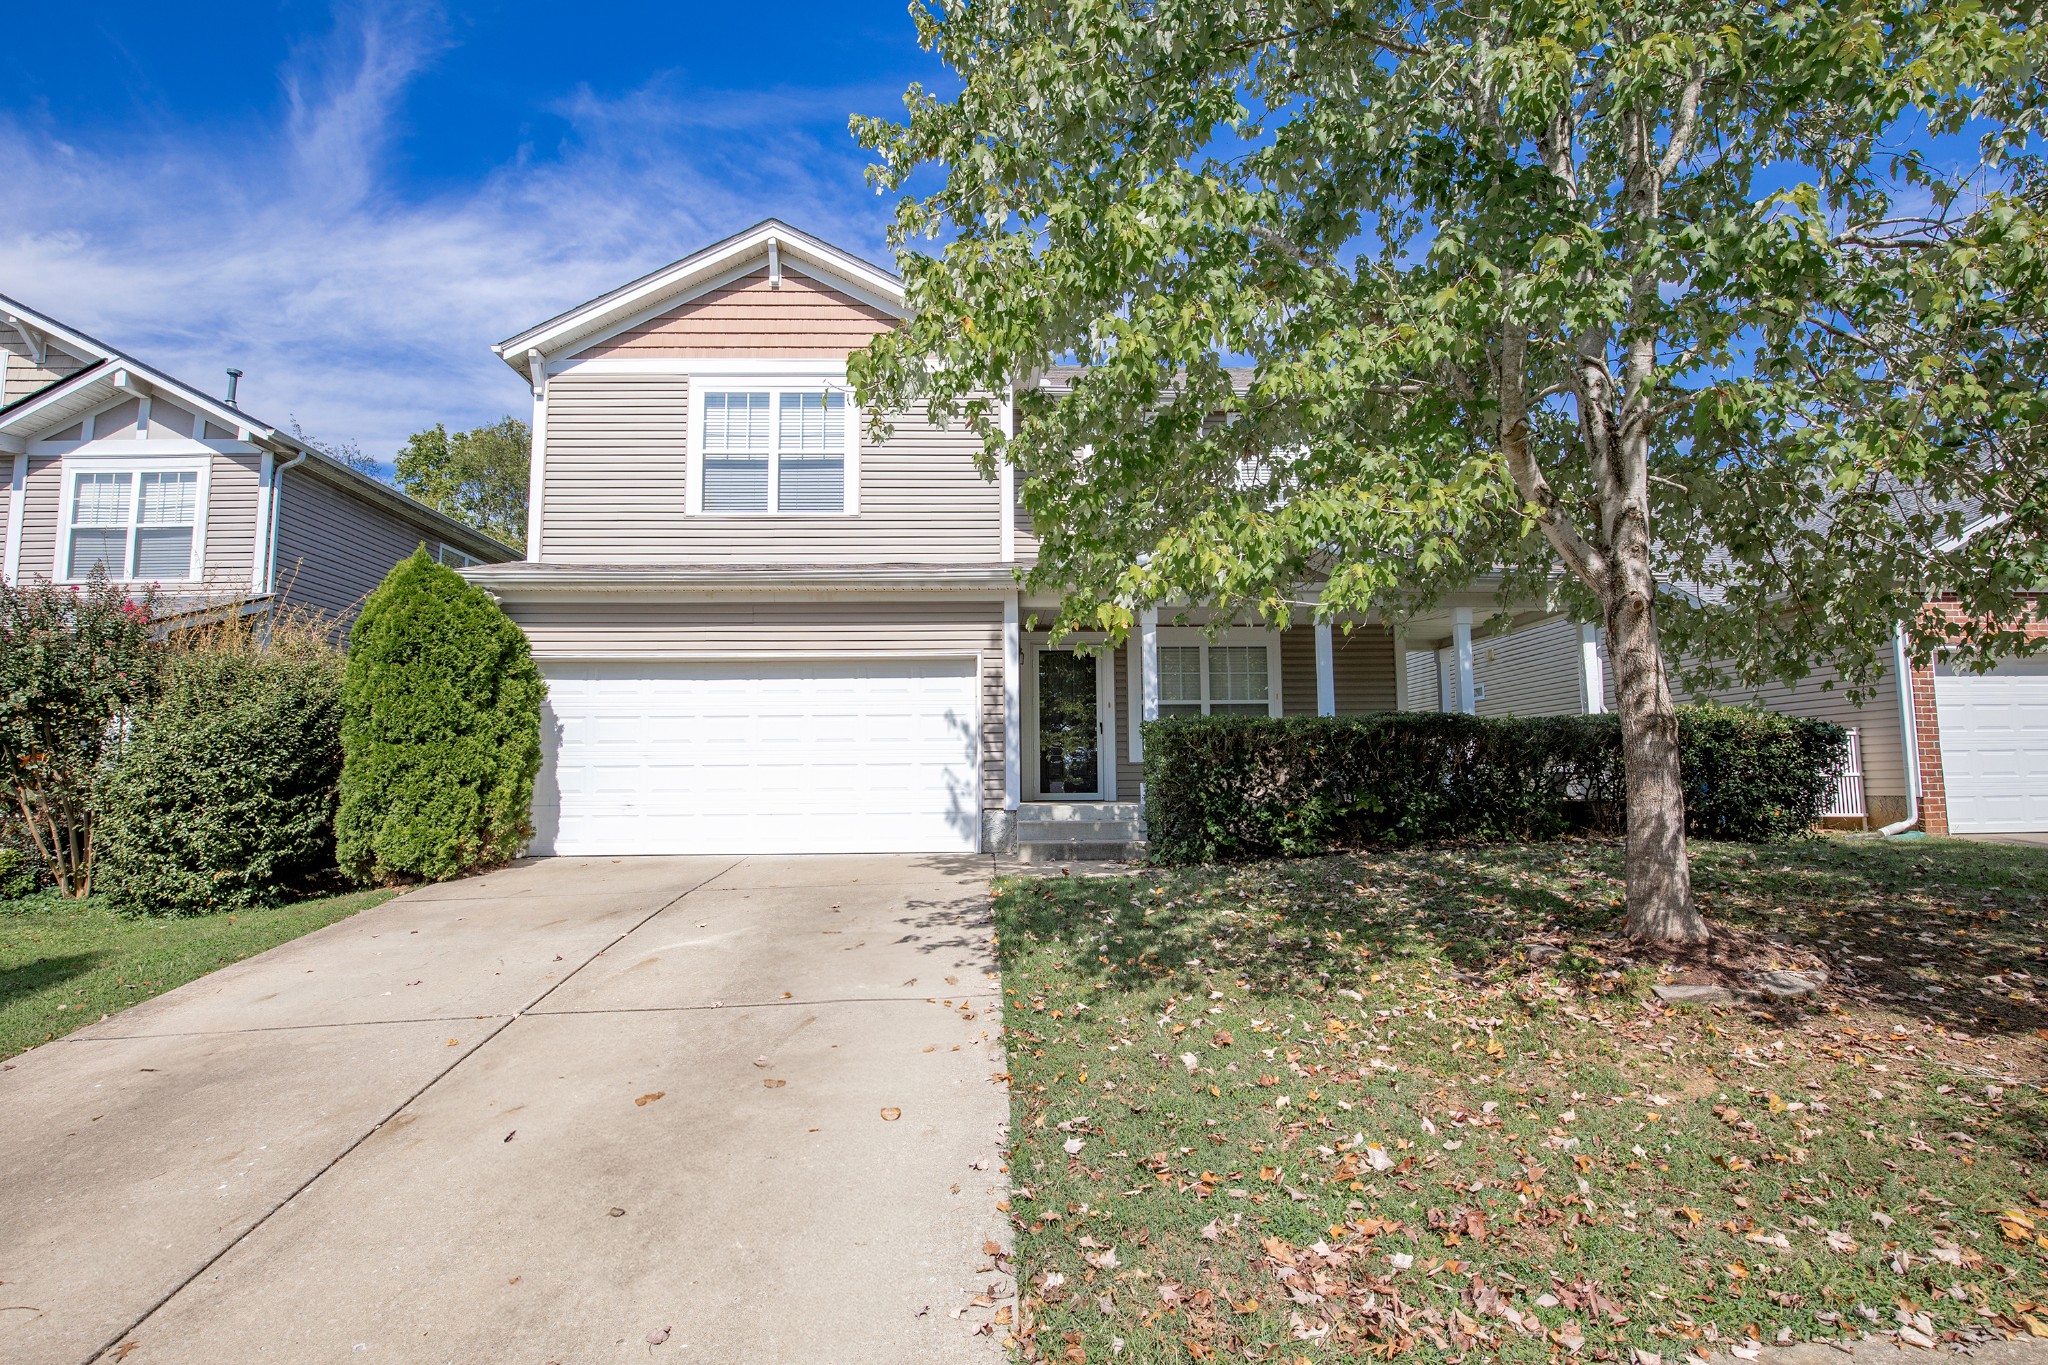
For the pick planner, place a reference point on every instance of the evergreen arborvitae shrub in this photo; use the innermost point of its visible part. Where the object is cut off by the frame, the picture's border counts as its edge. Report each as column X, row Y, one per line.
column 440, row 730
column 223, row 795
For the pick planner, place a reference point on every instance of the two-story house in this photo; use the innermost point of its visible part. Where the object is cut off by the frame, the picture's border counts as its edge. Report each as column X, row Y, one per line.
column 112, row 464
column 764, row 633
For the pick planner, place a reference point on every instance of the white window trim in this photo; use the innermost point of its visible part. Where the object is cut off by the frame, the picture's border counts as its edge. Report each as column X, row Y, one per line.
column 85, row 462
column 703, row 384
column 1174, row 636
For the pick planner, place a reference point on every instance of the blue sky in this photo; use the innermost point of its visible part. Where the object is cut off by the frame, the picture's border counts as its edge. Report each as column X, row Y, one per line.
column 352, row 203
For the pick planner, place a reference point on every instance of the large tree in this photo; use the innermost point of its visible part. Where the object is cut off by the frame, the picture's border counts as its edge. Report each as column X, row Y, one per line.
column 1607, row 300
column 477, row 476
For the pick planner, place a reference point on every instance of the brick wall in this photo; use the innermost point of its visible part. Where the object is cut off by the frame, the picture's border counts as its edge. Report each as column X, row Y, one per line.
column 1927, row 725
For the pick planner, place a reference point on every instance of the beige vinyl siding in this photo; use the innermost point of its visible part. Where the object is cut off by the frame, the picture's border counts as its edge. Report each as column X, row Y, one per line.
column 334, row 548
column 1533, row 671
column 805, row 319
column 23, row 376
column 1425, row 687
column 1361, row 670
column 764, row 629
column 615, row 489
column 1362, row 667
column 40, row 498
column 234, row 487
column 1129, row 775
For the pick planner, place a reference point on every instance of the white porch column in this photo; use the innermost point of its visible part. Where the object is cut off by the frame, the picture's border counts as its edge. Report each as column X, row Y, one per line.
column 1006, row 481
column 1148, row 676
column 1402, row 701
column 1592, row 677
column 537, row 457
column 1461, row 641
column 1326, row 671
column 1013, row 719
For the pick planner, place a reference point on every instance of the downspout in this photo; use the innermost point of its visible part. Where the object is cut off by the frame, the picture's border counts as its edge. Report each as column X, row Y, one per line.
column 1910, row 733
column 276, row 511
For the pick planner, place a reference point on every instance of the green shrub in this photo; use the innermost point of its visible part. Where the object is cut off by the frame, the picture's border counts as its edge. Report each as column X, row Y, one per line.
column 1223, row 787
column 440, row 730
column 17, row 874
column 1755, row 775
column 223, row 797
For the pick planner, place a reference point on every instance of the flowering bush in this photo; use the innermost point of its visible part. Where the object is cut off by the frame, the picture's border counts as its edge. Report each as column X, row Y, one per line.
column 75, row 663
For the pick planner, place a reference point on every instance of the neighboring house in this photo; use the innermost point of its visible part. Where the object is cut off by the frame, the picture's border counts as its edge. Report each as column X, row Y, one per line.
column 115, row 464
column 764, row 633
column 1960, row 754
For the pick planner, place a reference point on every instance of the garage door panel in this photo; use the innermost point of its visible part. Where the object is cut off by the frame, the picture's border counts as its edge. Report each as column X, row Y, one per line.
column 829, row 757
column 1994, row 747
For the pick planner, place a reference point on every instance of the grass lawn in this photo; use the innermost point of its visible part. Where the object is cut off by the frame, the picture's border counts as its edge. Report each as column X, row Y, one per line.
column 1329, row 1109
column 64, row 965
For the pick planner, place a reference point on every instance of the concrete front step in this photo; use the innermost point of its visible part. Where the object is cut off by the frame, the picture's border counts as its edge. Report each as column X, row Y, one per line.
column 1062, row 812
column 1078, row 831
column 1087, row 851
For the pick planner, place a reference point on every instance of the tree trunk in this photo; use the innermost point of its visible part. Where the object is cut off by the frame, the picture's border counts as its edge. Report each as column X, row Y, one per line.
column 1660, row 906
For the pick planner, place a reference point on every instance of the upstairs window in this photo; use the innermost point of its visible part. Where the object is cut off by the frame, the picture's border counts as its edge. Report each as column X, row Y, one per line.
column 139, row 525
column 774, row 450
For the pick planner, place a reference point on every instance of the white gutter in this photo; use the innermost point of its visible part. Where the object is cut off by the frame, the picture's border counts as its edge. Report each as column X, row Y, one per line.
column 1909, row 733
column 276, row 512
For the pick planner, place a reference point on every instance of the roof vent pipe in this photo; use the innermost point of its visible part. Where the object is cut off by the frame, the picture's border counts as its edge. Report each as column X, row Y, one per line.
column 234, row 379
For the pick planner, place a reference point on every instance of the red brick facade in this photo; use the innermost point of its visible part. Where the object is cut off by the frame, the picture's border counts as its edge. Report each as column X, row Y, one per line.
column 1927, row 724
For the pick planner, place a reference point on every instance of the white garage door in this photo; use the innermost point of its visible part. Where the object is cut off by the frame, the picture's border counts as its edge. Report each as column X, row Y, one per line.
column 876, row 756
column 1994, row 747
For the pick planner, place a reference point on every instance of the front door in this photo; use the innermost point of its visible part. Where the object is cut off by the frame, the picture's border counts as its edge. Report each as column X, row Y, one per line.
column 1069, row 725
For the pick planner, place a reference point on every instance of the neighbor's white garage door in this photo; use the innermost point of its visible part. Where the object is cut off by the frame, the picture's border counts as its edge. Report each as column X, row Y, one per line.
column 1994, row 747
column 875, row 756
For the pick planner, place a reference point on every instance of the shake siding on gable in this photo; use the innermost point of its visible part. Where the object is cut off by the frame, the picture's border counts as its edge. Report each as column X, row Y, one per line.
column 804, row 320
column 1533, row 671
column 24, row 376
column 334, row 548
column 616, row 489
column 891, row 628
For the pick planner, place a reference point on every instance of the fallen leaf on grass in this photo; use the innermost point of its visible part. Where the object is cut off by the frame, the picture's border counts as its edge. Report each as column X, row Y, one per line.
column 891, row 1114
column 646, row 1100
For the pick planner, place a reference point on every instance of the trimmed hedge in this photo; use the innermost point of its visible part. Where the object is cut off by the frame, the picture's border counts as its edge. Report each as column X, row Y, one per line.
column 1222, row 787
column 440, row 733
column 223, row 797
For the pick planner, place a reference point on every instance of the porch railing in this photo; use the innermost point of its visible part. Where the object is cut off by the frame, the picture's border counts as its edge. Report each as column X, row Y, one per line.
column 1847, row 793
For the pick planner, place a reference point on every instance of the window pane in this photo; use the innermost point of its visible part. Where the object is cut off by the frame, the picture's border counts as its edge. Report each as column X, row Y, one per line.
column 736, row 485
column 105, row 546
column 810, row 483
column 735, row 421
column 100, row 500
column 167, row 499
column 163, row 552
column 1237, row 673
column 814, row 421
column 1180, row 709
column 1238, row 708
column 1180, row 674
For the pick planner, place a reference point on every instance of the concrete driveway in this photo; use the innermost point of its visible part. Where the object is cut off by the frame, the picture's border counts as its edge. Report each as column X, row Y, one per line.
column 548, row 1114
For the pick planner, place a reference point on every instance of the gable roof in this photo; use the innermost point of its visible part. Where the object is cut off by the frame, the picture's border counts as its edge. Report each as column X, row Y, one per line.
column 113, row 373
column 679, row 281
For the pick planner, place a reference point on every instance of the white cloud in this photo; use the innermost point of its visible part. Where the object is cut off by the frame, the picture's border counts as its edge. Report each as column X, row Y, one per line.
column 293, row 253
